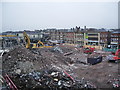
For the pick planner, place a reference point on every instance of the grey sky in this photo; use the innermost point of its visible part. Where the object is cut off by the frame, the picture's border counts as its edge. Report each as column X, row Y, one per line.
column 41, row 15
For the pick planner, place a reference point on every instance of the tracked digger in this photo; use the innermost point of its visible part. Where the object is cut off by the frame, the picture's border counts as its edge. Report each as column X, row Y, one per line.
column 29, row 45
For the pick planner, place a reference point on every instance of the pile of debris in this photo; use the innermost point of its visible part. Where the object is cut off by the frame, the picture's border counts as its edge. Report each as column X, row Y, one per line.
column 22, row 60
column 48, row 68
column 115, row 82
column 50, row 80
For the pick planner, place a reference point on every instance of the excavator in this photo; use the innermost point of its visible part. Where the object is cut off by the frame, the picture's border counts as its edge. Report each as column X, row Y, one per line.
column 115, row 57
column 8, row 36
column 28, row 44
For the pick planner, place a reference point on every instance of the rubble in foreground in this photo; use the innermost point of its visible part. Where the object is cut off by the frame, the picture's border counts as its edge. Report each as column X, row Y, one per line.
column 50, row 80
column 26, row 66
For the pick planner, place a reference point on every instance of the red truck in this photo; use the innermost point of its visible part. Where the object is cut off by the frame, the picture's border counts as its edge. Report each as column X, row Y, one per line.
column 88, row 50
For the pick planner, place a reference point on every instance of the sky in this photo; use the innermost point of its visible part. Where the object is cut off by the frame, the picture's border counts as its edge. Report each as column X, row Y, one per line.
column 43, row 15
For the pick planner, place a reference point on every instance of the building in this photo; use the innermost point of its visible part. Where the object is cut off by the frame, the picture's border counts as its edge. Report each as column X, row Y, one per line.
column 69, row 37
column 83, row 37
column 110, row 38
column 115, row 38
column 79, row 36
column 105, row 38
column 92, row 37
column 58, row 35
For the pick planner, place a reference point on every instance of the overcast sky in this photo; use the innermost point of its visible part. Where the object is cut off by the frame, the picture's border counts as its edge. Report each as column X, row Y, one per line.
column 42, row 15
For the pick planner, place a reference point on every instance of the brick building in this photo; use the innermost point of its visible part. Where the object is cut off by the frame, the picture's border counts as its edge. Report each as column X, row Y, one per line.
column 69, row 37
column 115, row 38
column 104, row 36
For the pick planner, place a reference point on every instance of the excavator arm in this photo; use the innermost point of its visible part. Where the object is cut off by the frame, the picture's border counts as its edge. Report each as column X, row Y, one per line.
column 27, row 40
column 39, row 44
column 8, row 36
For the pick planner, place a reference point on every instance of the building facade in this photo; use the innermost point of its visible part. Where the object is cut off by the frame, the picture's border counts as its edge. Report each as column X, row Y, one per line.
column 92, row 38
column 115, row 39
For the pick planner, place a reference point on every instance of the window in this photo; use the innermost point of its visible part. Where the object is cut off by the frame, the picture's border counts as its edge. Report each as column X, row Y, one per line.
column 92, row 34
column 92, row 38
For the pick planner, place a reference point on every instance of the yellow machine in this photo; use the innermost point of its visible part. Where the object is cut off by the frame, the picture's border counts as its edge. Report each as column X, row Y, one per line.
column 8, row 36
column 39, row 44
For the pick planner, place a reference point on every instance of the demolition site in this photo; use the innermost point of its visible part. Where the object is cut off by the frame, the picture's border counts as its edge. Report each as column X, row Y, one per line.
column 53, row 59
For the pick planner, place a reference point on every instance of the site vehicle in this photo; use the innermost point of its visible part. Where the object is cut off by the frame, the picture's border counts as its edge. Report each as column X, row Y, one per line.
column 8, row 36
column 29, row 44
column 88, row 50
column 115, row 56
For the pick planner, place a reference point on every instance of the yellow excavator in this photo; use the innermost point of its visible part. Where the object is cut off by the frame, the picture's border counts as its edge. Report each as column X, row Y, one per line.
column 8, row 36
column 28, row 44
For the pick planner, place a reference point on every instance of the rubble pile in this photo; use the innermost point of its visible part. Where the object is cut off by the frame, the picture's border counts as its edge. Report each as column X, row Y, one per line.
column 50, row 80
column 74, row 55
column 22, row 60
column 45, row 68
column 66, row 48
column 52, row 55
column 115, row 82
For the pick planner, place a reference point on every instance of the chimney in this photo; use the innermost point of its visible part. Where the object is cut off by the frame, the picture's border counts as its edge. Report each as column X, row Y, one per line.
column 85, row 28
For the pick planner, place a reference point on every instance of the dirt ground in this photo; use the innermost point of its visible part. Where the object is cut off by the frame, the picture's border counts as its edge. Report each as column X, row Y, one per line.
column 63, row 58
column 99, row 74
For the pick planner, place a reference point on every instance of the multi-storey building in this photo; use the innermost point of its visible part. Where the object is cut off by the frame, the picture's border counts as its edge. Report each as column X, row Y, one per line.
column 105, row 38
column 79, row 36
column 69, row 37
column 92, row 37
column 115, row 38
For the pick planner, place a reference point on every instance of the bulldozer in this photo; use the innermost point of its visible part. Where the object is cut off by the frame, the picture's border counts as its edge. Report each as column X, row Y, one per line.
column 28, row 43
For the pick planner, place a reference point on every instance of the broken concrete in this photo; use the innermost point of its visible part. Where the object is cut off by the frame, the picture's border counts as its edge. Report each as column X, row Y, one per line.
column 21, row 61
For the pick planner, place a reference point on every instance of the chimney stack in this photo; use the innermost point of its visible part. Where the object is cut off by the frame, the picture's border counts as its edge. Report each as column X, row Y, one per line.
column 84, row 27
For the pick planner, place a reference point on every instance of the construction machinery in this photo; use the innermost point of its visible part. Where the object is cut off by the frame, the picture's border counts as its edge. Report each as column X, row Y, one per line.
column 115, row 57
column 88, row 50
column 8, row 36
column 29, row 44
